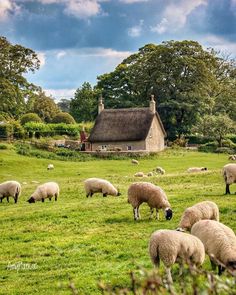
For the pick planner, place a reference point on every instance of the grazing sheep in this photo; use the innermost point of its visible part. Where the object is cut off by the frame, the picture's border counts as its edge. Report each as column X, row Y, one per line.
column 196, row 169
column 139, row 174
column 50, row 167
column 219, row 242
column 159, row 170
column 10, row 189
column 133, row 161
column 98, row 185
column 44, row 191
column 229, row 174
column 232, row 157
column 150, row 174
column 171, row 247
column 154, row 196
column 199, row 211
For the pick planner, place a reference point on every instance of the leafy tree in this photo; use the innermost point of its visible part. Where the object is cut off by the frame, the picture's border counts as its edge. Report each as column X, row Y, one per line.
column 83, row 106
column 30, row 117
column 184, row 78
column 216, row 127
column 15, row 60
column 64, row 105
column 63, row 118
column 45, row 107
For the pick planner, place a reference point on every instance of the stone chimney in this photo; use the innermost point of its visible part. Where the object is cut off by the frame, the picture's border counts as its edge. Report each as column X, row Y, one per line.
column 152, row 104
column 100, row 105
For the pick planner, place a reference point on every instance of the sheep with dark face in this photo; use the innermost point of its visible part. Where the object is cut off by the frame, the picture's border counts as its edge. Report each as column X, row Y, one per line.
column 196, row 169
column 219, row 241
column 10, row 189
column 229, row 174
column 154, row 196
column 47, row 190
column 98, row 185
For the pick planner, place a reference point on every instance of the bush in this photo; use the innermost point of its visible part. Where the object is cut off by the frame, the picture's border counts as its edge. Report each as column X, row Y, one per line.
column 232, row 137
column 224, row 150
column 228, row 143
column 63, row 118
column 209, row 147
column 6, row 131
column 3, row 147
column 197, row 139
column 18, row 130
column 30, row 117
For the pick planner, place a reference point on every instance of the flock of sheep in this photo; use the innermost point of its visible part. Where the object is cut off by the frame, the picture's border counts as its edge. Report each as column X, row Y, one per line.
column 207, row 234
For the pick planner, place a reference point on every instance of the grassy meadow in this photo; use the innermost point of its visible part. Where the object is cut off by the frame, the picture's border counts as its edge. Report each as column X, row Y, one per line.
column 94, row 239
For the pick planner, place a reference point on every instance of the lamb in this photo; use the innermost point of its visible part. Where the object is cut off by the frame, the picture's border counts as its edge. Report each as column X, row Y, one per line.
column 199, row 211
column 232, row 157
column 10, row 189
column 229, row 174
column 171, row 247
column 196, row 169
column 44, row 191
column 98, row 185
column 159, row 170
column 154, row 196
column 50, row 167
column 133, row 161
column 219, row 241
column 139, row 174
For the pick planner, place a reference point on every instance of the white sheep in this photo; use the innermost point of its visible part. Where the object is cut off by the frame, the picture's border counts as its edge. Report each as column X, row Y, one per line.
column 154, row 196
column 44, row 191
column 196, row 169
column 136, row 162
column 199, row 211
column 98, row 185
column 219, row 242
column 171, row 247
column 139, row 174
column 10, row 189
column 232, row 157
column 229, row 174
column 159, row 170
column 50, row 167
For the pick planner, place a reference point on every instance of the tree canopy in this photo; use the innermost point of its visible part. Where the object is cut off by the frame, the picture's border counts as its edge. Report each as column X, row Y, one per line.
column 15, row 60
column 187, row 81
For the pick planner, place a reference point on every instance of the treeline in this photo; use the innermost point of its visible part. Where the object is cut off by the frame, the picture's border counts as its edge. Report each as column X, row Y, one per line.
column 195, row 88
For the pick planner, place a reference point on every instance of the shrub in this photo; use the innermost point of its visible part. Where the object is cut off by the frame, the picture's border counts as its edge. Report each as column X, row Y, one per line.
column 232, row 137
column 6, row 131
column 224, row 150
column 18, row 130
column 228, row 143
column 63, row 118
column 3, row 147
column 209, row 147
column 30, row 117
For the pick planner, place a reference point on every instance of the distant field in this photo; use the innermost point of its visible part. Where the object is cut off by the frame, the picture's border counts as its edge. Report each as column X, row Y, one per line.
column 88, row 240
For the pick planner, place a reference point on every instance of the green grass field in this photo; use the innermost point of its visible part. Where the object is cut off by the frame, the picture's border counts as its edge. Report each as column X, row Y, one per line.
column 95, row 239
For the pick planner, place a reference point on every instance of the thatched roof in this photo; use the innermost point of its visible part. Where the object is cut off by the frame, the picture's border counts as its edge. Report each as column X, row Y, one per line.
column 131, row 124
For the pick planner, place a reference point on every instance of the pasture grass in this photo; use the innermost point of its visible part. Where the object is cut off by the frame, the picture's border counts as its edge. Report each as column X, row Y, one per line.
column 95, row 239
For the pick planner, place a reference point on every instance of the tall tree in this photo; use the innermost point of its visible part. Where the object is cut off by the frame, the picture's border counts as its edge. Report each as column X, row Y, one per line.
column 15, row 60
column 181, row 75
column 45, row 107
column 83, row 106
column 64, row 105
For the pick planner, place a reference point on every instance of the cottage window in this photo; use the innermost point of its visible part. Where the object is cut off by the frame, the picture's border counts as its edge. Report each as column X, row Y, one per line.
column 129, row 147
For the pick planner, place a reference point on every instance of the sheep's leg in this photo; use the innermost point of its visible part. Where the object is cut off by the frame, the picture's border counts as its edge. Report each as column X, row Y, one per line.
column 51, row 199
column 56, row 195
column 168, row 274
column 104, row 194
column 227, row 191
column 220, row 270
column 1, row 200
column 43, row 200
column 151, row 212
column 157, row 214
column 136, row 213
column 8, row 199
column 213, row 265
column 181, row 268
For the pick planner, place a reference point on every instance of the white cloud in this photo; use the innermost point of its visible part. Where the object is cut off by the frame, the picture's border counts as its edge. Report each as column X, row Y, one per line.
column 103, row 52
column 6, row 8
column 219, row 43
column 175, row 15
column 42, row 58
column 60, row 54
column 132, row 1
column 58, row 94
column 136, row 30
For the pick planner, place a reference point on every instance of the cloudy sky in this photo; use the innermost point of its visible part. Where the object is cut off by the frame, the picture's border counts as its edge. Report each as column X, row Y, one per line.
column 77, row 40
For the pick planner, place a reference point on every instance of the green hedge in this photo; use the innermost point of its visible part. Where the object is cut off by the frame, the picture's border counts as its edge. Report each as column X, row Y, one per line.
column 6, row 131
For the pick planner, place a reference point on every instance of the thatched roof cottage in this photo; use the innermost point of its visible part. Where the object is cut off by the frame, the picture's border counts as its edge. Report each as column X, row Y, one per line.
column 127, row 129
